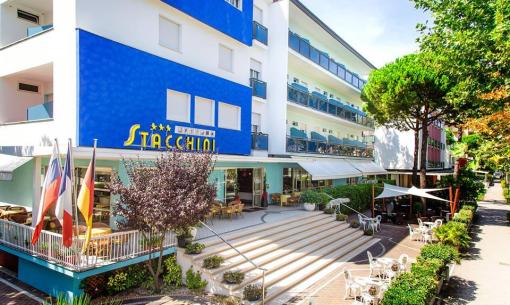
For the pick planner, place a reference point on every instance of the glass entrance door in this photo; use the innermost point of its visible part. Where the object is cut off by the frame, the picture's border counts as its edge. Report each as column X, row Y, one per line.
column 258, row 186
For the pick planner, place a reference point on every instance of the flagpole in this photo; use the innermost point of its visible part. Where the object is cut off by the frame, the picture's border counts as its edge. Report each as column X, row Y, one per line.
column 77, row 232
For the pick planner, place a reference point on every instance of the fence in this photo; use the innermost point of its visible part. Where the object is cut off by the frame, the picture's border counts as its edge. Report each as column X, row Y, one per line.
column 102, row 250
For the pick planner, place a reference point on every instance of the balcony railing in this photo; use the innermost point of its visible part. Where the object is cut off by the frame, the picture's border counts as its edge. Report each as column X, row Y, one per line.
column 31, row 31
column 320, row 102
column 260, row 32
column 296, row 145
column 259, row 141
column 102, row 250
column 40, row 112
column 259, row 88
column 303, row 47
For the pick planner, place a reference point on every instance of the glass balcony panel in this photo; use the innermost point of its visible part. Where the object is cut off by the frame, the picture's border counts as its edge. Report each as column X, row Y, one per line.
column 324, row 62
column 341, row 72
column 315, row 55
column 304, row 48
column 260, row 32
column 260, row 141
column 259, row 88
column 333, row 67
column 294, row 41
column 40, row 112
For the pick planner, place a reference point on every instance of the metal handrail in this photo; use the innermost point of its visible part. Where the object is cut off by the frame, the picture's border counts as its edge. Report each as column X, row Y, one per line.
column 245, row 257
column 355, row 211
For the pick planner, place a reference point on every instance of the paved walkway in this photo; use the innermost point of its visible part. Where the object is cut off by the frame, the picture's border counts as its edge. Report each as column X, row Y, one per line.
column 484, row 275
column 13, row 292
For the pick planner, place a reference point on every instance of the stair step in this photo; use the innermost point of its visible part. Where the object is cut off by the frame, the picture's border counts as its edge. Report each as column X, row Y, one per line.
column 316, row 238
column 292, row 263
column 214, row 240
column 258, row 240
column 275, row 287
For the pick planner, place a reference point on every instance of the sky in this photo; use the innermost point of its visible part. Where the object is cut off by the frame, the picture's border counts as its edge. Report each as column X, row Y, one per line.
column 381, row 30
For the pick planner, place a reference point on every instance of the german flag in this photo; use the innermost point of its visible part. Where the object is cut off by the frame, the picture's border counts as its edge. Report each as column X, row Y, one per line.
column 85, row 200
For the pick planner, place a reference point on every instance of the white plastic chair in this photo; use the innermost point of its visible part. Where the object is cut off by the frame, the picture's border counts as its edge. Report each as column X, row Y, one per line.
column 352, row 289
column 421, row 225
column 402, row 261
column 375, row 266
column 378, row 220
column 438, row 223
column 362, row 222
column 414, row 233
column 426, row 236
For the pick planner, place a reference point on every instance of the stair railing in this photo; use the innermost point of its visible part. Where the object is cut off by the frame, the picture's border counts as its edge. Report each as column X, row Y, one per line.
column 263, row 270
column 345, row 205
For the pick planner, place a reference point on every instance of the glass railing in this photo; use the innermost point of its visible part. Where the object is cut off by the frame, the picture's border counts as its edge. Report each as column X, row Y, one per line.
column 258, row 87
column 40, row 112
column 259, row 141
column 260, row 32
column 295, row 145
column 321, row 103
column 303, row 47
column 37, row 29
column 435, row 164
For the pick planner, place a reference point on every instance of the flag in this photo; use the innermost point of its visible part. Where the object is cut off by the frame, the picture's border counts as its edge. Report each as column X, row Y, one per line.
column 49, row 194
column 64, row 207
column 85, row 201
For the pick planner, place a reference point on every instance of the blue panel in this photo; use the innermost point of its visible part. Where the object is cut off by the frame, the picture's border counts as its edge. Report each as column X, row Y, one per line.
column 219, row 14
column 120, row 86
column 40, row 112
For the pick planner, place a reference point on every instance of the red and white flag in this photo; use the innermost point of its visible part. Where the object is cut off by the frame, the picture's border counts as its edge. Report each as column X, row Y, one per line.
column 64, row 208
column 49, row 192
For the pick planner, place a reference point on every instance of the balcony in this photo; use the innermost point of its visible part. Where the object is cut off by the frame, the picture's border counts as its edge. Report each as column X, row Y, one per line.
column 322, row 59
column 259, row 141
column 298, row 142
column 299, row 94
column 259, row 88
column 43, row 111
column 260, row 32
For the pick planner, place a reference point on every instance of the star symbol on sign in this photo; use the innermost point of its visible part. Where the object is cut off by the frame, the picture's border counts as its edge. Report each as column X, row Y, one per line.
column 168, row 128
column 153, row 126
column 161, row 127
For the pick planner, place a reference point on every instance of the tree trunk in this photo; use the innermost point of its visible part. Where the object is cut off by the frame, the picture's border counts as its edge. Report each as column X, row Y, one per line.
column 415, row 153
column 460, row 131
column 423, row 155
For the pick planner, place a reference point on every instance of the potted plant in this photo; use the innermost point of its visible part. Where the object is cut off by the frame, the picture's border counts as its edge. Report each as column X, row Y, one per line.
column 213, row 262
column 252, row 293
column 233, row 277
column 195, row 248
column 310, row 199
column 341, row 217
column 184, row 237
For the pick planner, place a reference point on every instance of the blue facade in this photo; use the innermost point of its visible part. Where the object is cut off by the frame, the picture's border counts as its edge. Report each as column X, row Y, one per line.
column 220, row 15
column 121, row 87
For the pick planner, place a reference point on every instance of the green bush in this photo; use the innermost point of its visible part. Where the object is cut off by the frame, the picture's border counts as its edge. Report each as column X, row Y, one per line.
column 454, row 234
column 233, row 277
column 252, row 292
column 172, row 274
column 428, row 267
column 126, row 278
column 471, row 186
column 465, row 215
column 82, row 299
column 341, row 217
column 360, row 196
column 447, row 254
column 194, row 280
column 195, row 248
column 213, row 262
column 410, row 289
column 354, row 224
column 318, row 198
column 329, row 211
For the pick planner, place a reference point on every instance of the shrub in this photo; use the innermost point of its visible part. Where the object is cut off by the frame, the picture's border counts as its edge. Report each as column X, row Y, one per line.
column 172, row 275
column 226, row 300
column 369, row 231
column 465, row 215
column 213, row 262
column 252, row 293
column 354, row 224
column 318, row 198
column 329, row 211
column 341, row 217
column 195, row 248
column 410, row 289
column 117, row 282
column 428, row 267
column 194, row 280
column 447, row 254
column 233, row 277
column 360, row 196
column 454, row 234
column 126, row 278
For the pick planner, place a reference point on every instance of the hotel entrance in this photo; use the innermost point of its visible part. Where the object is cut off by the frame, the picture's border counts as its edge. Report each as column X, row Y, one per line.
column 245, row 184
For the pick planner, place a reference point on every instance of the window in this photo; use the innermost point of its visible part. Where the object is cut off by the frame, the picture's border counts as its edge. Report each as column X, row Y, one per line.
column 28, row 88
column 256, row 122
column 229, row 116
column 226, row 58
column 177, row 106
column 255, row 69
column 234, row 3
column 258, row 15
column 169, row 34
column 28, row 16
column 204, row 111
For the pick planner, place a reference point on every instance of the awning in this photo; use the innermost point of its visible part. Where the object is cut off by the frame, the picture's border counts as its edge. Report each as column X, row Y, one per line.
column 329, row 169
column 8, row 164
column 395, row 191
column 368, row 167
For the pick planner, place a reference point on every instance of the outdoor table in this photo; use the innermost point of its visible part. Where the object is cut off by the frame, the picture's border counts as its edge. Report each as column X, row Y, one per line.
column 283, row 199
column 429, row 224
column 366, row 281
column 6, row 214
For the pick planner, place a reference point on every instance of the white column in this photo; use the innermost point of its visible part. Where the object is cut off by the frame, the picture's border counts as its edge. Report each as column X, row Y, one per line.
column 278, row 27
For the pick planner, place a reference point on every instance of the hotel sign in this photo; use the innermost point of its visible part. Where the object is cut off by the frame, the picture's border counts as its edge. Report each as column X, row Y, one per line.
column 163, row 136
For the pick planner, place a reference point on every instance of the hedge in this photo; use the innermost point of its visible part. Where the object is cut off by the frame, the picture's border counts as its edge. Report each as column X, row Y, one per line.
column 359, row 194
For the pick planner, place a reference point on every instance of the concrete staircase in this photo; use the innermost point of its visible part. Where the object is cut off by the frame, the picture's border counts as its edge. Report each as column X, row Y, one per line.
column 293, row 251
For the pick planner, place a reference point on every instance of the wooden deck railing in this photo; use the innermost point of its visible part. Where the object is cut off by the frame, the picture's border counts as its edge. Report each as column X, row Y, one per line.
column 102, row 250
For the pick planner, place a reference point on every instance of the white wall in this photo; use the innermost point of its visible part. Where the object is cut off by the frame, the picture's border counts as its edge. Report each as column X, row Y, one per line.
column 14, row 103
column 137, row 25
column 394, row 149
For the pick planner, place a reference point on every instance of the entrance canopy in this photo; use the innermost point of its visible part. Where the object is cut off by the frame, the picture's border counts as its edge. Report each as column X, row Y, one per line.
column 329, row 169
column 395, row 191
column 368, row 167
column 8, row 164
